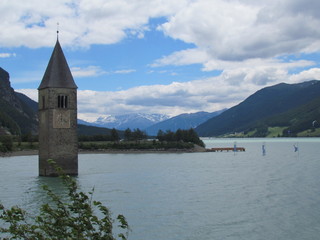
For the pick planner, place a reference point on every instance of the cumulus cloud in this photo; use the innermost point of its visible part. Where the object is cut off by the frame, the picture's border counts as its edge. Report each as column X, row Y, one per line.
column 210, row 94
column 233, row 30
column 310, row 74
column 89, row 71
column 246, row 40
column 83, row 22
column 238, row 30
column 172, row 99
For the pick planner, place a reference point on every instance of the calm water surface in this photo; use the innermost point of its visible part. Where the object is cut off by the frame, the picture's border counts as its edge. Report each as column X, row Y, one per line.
column 244, row 195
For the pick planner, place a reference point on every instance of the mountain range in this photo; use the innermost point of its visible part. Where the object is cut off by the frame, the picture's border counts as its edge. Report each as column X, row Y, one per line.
column 291, row 107
column 152, row 123
column 182, row 121
column 132, row 121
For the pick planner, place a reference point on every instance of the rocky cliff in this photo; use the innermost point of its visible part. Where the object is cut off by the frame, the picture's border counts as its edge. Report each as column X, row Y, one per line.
column 16, row 116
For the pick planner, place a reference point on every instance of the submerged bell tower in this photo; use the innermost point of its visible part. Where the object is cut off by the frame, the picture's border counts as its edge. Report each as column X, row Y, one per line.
column 57, row 98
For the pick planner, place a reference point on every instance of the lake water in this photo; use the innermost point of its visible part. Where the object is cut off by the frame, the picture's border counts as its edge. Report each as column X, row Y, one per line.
column 222, row 195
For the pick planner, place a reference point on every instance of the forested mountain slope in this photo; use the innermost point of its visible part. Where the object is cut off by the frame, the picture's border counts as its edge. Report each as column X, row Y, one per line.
column 261, row 107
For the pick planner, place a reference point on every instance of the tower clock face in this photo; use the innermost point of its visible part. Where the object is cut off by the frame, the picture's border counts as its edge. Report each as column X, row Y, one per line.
column 61, row 118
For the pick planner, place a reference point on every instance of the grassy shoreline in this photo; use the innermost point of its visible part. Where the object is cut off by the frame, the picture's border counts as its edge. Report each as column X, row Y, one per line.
column 106, row 151
column 26, row 149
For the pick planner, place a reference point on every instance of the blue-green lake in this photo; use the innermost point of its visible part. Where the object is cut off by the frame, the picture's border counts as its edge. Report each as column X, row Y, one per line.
column 247, row 195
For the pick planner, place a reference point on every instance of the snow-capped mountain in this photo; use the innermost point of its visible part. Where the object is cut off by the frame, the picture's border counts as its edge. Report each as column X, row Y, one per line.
column 132, row 121
column 182, row 121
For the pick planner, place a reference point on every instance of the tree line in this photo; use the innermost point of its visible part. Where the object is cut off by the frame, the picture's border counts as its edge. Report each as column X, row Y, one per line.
column 180, row 135
column 115, row 136
column 135, row 136
column 188, row 136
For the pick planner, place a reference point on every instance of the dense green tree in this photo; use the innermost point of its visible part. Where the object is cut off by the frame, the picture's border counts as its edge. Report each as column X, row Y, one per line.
column 187, row 136
column 128, row 134
column 160, row 135
column 100, row 137
column 170, row 136
column 261, row 131
column 114, row 135
column 179, row 135
column 193, row 137
column 138, row 135
column 6, row 143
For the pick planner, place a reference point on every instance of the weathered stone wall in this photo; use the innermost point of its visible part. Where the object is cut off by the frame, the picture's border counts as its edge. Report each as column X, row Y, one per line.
column 58, row 131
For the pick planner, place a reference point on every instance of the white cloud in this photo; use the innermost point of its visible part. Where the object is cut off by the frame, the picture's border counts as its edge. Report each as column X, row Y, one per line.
column 31, row 93
column 172, row 99
column 231, row 32
column 246, row 39
column 124, row 71
column 93, row 71
column 210, row 94
column 237, row 30
column 7, row 55
column 184, row 57
column 82, row 22
column 257, row 71
column 310, row 74
column 89, row 71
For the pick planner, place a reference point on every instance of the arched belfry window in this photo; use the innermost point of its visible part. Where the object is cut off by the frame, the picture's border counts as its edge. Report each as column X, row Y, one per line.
column 62, row 101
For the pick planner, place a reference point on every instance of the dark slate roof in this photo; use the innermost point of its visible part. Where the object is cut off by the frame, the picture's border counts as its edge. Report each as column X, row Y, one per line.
column 58, row 74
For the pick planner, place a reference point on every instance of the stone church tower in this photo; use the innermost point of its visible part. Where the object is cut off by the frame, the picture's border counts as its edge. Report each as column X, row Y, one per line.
column 58, row 117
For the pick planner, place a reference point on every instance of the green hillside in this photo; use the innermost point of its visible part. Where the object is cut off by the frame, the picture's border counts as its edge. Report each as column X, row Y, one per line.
column 300, row 119
column 282, row 105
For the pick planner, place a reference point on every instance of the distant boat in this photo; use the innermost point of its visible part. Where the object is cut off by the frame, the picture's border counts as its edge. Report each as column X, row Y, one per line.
column 263, row 149
column 295, row 146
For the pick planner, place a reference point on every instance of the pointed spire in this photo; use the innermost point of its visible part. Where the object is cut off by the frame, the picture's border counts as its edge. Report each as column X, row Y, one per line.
column 57, row 31
column 57, row 74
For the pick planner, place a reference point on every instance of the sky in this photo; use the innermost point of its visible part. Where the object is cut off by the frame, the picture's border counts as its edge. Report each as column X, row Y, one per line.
column 161, row 56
